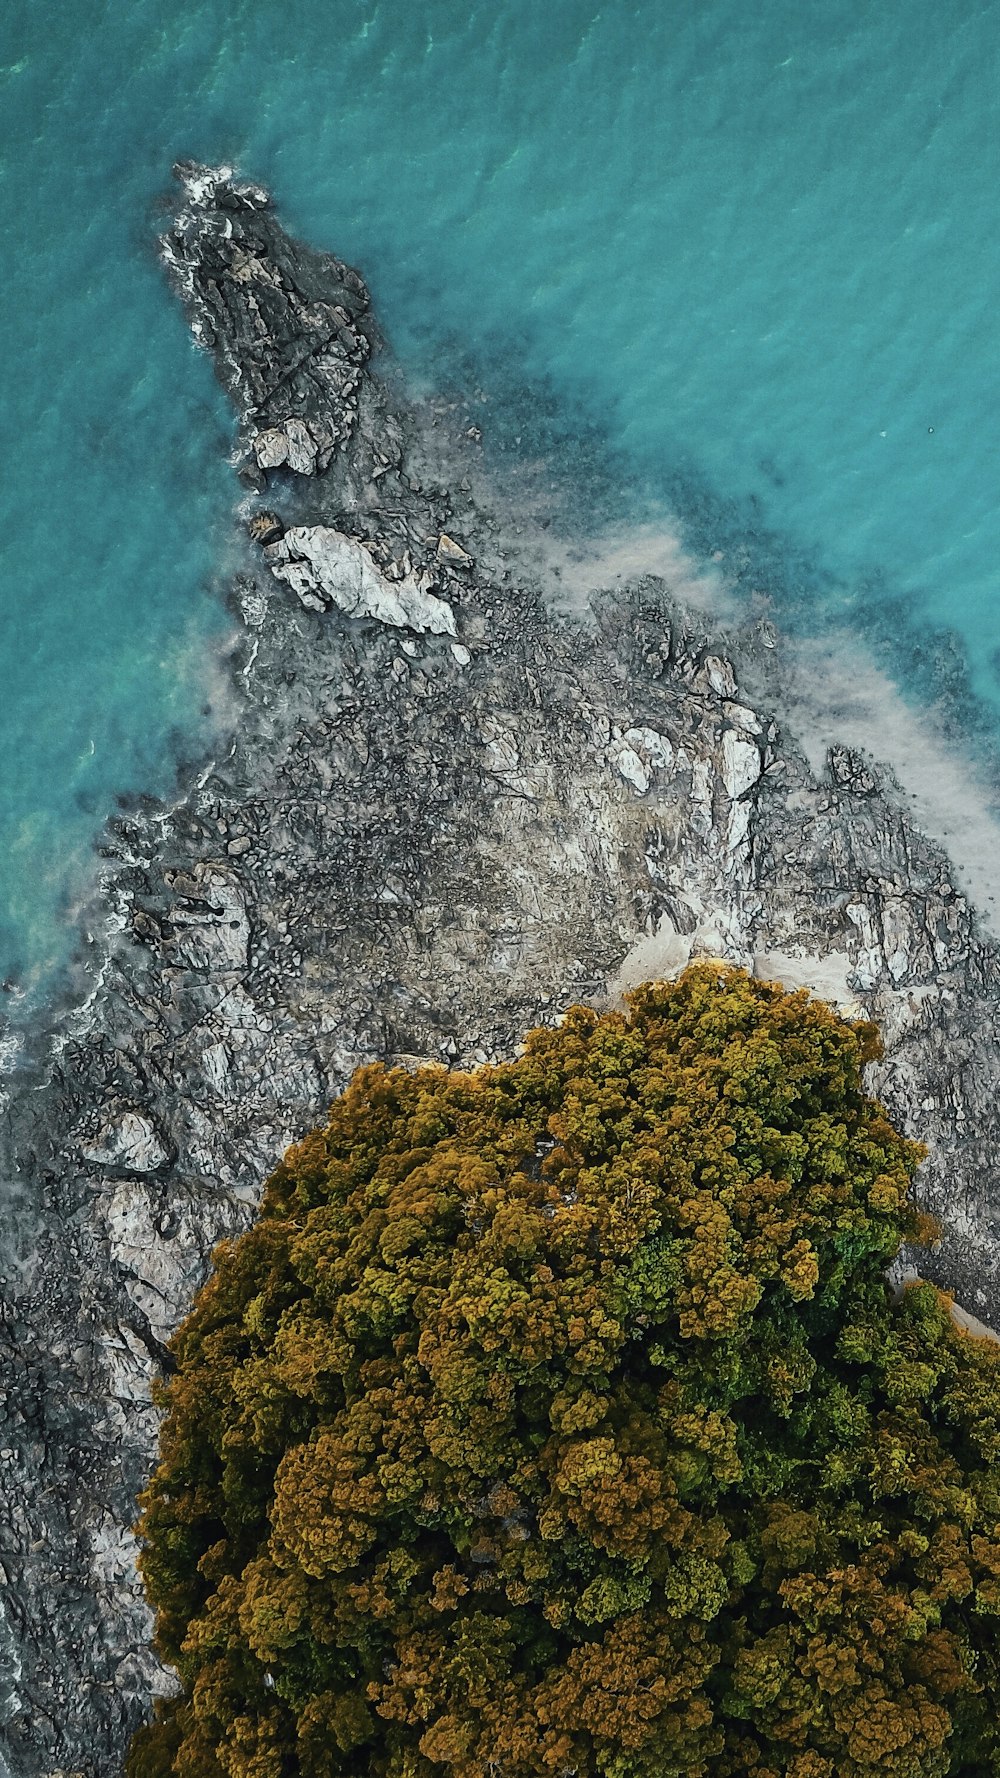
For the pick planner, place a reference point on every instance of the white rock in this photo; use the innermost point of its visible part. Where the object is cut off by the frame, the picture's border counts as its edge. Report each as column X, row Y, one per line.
column 216, row 1062
column 128, row 1368
column 899, row 939
column 301, row 447
column 740, row 764
column 461, row 654
column 702, row 781
column 200, row 182
column 828, row 975
column 738, row 826
column 652, row 746
column 868, row 961
column 502, row 754
column 720, row 675
column 253, row 605
column 742, row 717
column 161, row 1269
column 271, row 448
column 721, row 933
column 129, row 1140
column 238, row 1012
column 633, row 770
column 972, row 1325
column 319, row 562
column 656, row 957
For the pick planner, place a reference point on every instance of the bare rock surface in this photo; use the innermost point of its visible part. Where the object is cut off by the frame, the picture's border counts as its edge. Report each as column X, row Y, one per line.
column 425, row 836
column 324, row 568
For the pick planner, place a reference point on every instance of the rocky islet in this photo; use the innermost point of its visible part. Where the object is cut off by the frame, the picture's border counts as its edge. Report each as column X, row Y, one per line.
column 446, row 812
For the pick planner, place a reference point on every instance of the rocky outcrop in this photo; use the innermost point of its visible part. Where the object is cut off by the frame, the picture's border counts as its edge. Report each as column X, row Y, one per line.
column 288, row 327
column 424, row 837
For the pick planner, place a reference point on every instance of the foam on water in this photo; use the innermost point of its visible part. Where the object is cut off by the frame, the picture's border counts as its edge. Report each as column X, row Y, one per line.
column 831, row 691
column 753, row 249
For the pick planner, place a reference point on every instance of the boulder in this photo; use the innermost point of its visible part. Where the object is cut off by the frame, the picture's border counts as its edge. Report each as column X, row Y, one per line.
column 128, row 1142
column 451, row 552
column 266, row 527
column 324, row 567
column 271, row 448
column 302, row 447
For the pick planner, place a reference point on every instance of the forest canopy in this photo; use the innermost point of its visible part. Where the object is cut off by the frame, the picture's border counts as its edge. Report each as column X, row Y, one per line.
column 557, row 1419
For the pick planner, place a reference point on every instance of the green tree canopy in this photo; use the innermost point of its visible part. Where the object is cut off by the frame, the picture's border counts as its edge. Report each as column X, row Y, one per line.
column 557, row 1419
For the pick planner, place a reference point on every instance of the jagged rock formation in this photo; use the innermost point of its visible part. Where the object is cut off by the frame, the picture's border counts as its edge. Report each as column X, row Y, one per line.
column 425, row 836
column 289, row 329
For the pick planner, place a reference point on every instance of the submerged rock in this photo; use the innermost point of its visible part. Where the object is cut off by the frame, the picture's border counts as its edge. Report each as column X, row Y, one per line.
column 265, row 527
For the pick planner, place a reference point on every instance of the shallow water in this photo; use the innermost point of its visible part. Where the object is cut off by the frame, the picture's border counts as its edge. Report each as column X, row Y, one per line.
column 752, row 252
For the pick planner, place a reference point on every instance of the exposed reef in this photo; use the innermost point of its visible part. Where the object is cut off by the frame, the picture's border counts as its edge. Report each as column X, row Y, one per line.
column 446, row 813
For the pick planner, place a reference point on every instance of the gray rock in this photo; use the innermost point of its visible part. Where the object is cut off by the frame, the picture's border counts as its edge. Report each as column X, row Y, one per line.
column 127, row 1142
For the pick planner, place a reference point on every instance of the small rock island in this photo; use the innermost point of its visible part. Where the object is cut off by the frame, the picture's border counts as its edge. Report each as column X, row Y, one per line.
column 448, row 812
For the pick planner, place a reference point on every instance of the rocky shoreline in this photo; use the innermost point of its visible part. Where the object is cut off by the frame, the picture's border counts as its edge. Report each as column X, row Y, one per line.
column 446, row 813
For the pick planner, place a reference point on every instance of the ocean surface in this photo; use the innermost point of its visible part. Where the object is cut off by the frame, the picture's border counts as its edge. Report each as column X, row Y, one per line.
column 744, row 261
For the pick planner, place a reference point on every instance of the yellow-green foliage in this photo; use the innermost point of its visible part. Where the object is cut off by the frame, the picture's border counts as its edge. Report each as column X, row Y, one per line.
column 556, row 1419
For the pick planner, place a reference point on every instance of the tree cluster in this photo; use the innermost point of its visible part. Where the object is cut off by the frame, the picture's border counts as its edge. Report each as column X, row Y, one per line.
column 556, row 1419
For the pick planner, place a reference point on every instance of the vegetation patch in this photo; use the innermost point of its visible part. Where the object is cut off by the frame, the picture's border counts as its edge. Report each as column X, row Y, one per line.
column 557, row 1419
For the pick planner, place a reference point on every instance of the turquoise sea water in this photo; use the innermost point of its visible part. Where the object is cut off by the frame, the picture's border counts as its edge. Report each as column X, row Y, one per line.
column 752, row 250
